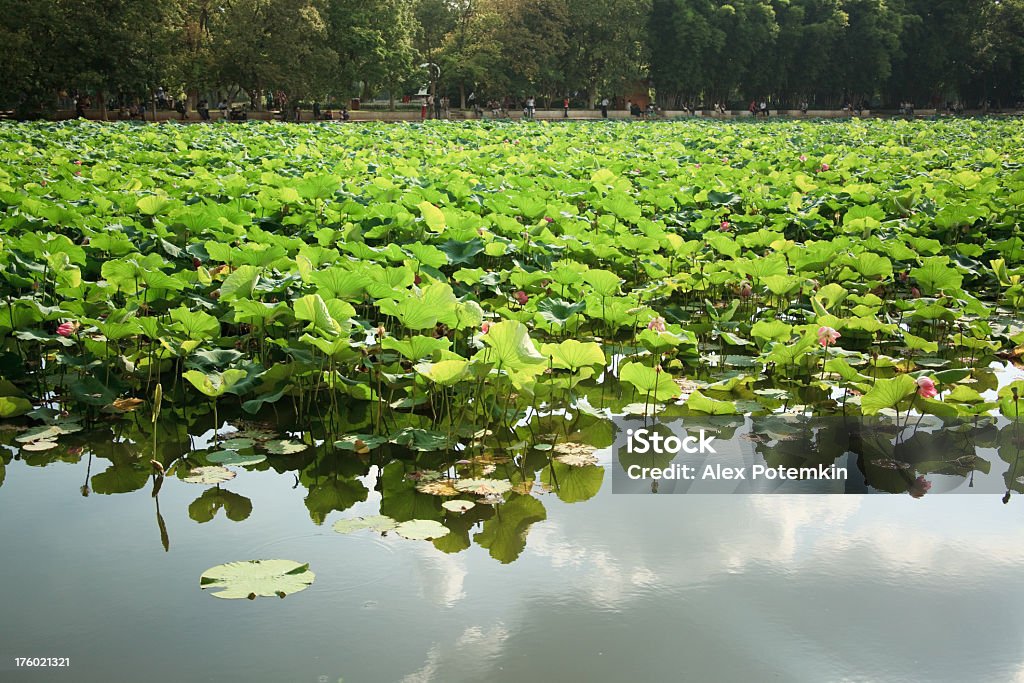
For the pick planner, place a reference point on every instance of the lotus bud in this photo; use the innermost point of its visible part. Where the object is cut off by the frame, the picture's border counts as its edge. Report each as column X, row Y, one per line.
column 926, row 387
column 67, row 329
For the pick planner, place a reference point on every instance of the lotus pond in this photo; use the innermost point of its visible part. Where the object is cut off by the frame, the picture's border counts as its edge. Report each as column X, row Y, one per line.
column 399, row 355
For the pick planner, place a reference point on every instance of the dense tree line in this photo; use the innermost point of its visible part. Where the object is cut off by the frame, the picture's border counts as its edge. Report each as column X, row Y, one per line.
column 690, row 51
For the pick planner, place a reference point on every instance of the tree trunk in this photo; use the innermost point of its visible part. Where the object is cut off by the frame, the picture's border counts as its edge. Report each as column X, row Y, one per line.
column 103, row 103
column 462, row 95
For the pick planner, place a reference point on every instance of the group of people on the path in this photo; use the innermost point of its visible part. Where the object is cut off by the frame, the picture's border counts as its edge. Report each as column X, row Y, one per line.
column 759, row 109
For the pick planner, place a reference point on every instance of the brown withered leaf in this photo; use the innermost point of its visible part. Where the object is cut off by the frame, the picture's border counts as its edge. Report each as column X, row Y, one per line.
column 127, row 405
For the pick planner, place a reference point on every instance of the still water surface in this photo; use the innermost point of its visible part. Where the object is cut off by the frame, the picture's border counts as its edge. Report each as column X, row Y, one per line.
column 731, row 588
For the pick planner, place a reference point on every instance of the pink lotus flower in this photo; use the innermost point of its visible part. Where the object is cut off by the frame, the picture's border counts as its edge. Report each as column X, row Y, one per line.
column 725, row 226
column 825, row 167
column 803, row 157
column 485, row 326
column 67, row 329
column 78, row 173
column 827, row 336
column 657, row 324
column 78, row 162
column 915, row 292
column 696, row 165
column 926, row 387
column 549, row 219
column 196, row 263
column 521, row 297
column 417, row 279
column 746, row 290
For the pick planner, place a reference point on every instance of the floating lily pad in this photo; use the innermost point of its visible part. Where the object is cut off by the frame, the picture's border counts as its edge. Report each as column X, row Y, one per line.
column 458, row 505
column 257, row 578
column 421, row 530
column 237, row 444
column 41, row 445
column 284, row 447
column 48, row 432
column 214, row 474
column 360, row 443
column 644, row 409
column 484, row 487
column 437, row 488
column 577, row 458
column 235, row 458
column 379, row 523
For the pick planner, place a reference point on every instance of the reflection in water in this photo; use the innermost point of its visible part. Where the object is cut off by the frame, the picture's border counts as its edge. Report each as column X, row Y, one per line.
column 915, row 455
column 604, row 586
column 703, row 588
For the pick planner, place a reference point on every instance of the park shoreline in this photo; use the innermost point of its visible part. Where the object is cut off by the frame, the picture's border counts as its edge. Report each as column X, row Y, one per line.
column 411, row 116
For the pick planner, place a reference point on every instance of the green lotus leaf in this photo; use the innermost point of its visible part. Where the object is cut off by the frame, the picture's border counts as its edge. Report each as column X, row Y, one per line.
column 416, row 347
column 700, row 403
column 12, row 406
column 935, row 275
column 573, row 355
column 511, row 348
column 214, row 384
column 432, row 216
column 887, row 393
column 196, row 324
column 445, row 372
column 313, row 309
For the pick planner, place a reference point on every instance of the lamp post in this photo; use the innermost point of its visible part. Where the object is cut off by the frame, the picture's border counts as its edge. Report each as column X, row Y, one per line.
column 435, row 75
